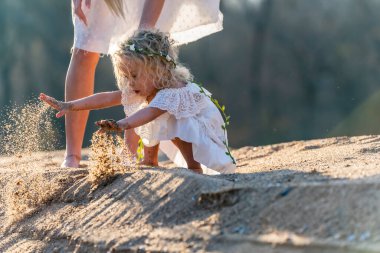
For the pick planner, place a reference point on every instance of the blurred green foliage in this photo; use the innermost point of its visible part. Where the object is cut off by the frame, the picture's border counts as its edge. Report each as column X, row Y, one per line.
column 285, row 70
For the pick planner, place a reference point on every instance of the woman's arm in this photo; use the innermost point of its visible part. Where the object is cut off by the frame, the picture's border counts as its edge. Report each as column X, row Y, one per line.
column 151, row 13
column 137, row 119
column 93, row 102
column 77, row 9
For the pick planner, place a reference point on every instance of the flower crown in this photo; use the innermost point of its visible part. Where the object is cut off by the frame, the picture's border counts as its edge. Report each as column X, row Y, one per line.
column 133, row 48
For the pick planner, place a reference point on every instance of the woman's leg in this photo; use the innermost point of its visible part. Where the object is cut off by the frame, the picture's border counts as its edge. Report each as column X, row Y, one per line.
column 79, row 83
column 186, row 150
column 151, row 155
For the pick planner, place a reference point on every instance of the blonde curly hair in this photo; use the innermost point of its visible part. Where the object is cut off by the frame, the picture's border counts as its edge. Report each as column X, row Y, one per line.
column 154, row 49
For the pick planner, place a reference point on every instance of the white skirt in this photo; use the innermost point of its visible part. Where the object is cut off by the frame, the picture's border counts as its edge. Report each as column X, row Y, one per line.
column 206, row 151
column 185, row 20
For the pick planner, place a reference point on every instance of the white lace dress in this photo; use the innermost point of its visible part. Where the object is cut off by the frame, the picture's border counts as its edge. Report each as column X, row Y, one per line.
column 191, row 117
column 185, row 20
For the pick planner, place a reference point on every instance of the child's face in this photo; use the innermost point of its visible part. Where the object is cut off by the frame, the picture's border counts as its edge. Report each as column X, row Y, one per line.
column 138, row 80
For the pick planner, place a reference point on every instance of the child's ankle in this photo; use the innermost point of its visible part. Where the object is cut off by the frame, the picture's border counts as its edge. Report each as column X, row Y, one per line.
column 149, row 163
column 195, row 167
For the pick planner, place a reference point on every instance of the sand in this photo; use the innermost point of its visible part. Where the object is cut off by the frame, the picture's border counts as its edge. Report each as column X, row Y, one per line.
column 302, row 196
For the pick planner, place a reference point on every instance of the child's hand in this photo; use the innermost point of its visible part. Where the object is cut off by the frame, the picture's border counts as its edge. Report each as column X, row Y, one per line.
column 62, row 107
column 108, row 125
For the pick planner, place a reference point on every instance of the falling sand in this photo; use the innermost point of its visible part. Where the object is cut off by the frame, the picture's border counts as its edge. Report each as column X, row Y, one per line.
column 108, row 157
column 30, row 128
column 27, row 129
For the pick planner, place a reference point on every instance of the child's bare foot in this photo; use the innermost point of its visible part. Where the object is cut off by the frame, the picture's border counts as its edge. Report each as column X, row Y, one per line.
column 150, row 156
column 148, row 163
column 198, row 171
column 71, row 161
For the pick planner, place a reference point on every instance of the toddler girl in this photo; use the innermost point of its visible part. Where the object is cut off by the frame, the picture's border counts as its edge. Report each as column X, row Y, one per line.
column 162, row 105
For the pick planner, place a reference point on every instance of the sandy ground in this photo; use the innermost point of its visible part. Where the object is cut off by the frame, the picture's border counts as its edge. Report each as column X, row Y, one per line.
column 303, row 196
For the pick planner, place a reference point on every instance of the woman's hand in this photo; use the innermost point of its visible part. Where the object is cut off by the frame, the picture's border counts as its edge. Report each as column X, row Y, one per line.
column 62, row 107
column 108, row 125
column 77, row 8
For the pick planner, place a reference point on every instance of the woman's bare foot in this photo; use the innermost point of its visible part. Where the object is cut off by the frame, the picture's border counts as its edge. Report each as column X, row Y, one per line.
column 71, row 161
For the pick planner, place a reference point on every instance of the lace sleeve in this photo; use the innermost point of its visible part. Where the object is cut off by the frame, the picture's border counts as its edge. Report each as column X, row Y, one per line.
column 132, row 103
column 180, row 102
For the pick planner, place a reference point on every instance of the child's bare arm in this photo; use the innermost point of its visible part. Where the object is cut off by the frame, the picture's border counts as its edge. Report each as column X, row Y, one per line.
column 140, row 118
column 137, row 119
column 93, row 102
column 97, row 101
